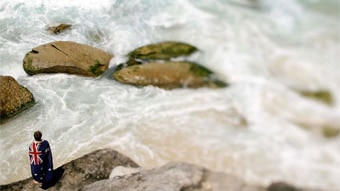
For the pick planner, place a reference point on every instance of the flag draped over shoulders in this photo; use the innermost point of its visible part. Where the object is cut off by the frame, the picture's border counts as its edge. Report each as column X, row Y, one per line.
column 41, row 161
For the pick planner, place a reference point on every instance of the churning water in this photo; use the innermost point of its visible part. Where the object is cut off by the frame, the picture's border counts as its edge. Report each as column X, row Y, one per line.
column 260, row 128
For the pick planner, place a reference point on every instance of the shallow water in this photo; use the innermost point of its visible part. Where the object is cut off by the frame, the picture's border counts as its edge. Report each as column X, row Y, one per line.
column 259, row 128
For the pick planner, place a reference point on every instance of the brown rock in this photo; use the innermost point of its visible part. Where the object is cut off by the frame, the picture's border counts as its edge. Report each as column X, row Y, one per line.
column 167, row 75
column 163, row 51
column 66, row 57
column 58, row 29
column 14, row 98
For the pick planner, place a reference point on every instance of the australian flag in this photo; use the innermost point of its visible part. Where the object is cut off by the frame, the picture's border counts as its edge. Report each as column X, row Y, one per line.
column 41, row 162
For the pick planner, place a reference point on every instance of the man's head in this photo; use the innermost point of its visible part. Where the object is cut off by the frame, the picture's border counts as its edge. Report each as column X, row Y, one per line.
column 37, row 136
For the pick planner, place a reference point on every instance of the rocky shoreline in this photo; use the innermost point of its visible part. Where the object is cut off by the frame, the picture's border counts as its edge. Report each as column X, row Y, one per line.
column 164, row 65
column 97, row 171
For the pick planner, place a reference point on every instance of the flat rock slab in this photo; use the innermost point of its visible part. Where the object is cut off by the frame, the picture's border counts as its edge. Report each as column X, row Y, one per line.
column 66, row 57
column 13, row 97
column 167, row 75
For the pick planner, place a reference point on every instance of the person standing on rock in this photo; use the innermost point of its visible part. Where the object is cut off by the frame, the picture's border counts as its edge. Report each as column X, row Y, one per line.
column 41, row 161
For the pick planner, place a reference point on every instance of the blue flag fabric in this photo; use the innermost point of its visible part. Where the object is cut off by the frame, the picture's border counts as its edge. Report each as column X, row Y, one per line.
column 41, row 161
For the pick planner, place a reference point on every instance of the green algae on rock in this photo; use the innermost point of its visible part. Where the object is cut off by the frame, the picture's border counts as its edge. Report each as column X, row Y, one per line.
column 163, row 51
column 66, row 57
column 168, row 75
column 96, row 68
column 14, row 98
column 153, row 64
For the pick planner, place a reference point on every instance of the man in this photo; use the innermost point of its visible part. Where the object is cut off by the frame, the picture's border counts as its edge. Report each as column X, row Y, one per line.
column 41, row 161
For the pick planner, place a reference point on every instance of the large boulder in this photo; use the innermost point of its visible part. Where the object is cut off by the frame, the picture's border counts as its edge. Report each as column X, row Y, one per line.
column 80, row 172
column 66, row 57
column 168, row 75
column 14, row 98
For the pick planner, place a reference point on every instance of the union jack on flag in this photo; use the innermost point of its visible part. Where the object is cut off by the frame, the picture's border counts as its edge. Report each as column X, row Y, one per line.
column 35, row 154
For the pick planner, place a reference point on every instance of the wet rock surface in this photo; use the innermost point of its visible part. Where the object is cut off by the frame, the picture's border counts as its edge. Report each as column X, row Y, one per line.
column 59, row 28
column 162, row 51
column 158, row 65
column 168, row 75
column 14, row 98
column 66, row 57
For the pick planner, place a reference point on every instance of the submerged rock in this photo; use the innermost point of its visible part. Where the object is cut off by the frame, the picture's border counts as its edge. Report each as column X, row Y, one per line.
column 329, row 131
column 168, row 75
column 322, row 96
column 162, row 51
column 14, row 98
column 58, row 29
column 66, row 57
column 80, row 172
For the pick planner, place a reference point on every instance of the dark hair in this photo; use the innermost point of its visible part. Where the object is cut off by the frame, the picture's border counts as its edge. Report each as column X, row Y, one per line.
column 37, row 135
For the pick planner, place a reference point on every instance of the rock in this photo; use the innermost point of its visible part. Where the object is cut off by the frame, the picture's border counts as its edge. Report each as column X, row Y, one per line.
column 167, row 75
column 80, row 172
column 182, row 177
column 14, row 98
column 162, row 51
column 122, row 170
column 281, row 186
column 174, row 177
column 66, row 57
column 322, row 96
column 153, row 64
column 58, row 29
column 330, row 132
column 91, row 173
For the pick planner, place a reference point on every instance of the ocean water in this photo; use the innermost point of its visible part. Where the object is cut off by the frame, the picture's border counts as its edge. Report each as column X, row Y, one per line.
column 260, row 128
